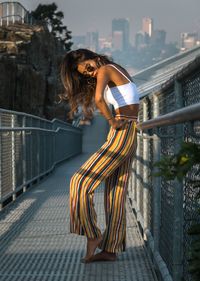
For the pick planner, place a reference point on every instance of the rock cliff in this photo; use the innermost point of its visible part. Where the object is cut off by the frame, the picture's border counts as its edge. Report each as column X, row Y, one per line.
column 30, row 57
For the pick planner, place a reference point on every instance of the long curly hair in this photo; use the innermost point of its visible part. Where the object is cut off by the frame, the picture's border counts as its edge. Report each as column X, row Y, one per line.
column 79, row 89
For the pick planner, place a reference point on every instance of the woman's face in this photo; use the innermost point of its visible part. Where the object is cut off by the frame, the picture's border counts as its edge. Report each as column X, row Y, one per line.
column 88, row 68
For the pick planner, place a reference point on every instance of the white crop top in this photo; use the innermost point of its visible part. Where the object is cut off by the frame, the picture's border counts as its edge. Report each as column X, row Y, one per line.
column 122, row 95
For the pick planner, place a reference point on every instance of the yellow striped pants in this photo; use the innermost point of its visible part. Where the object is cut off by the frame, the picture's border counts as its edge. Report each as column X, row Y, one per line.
column 111, row 163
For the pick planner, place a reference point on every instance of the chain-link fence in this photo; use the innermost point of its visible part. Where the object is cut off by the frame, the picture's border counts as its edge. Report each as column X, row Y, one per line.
column 166, row 209
column 30, row 149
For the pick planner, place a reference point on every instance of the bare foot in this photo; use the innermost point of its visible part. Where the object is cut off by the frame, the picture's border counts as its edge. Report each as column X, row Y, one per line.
column 103, row 256
column 92, row 244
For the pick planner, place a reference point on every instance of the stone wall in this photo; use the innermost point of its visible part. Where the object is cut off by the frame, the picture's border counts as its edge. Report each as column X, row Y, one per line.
column 30, row 57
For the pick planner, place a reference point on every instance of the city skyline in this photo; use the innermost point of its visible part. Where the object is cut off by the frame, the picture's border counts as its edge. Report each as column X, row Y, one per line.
column 174, row 17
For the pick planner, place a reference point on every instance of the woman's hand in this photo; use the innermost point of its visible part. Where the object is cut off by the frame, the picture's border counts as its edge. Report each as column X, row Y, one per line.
column 117, row 123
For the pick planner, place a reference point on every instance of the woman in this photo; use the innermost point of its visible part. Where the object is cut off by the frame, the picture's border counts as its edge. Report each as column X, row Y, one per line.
column 91, row 80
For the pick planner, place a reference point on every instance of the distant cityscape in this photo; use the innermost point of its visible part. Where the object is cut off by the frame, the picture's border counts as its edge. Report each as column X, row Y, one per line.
column 150, row 44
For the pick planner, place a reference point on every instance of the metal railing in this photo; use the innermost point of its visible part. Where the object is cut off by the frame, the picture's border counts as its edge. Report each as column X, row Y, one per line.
column 13, row 12
column 30, row 149
column 166, row 209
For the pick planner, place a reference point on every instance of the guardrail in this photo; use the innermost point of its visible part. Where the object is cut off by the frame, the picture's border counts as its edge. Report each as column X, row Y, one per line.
column 31, row 147
column 166, row 209
column 13, row 12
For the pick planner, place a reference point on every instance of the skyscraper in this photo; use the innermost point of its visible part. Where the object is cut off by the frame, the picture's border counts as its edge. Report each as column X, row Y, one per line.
column 158, row 38
column 92, row 41
column 188, row 40
column 147, row 25
column 120, row 34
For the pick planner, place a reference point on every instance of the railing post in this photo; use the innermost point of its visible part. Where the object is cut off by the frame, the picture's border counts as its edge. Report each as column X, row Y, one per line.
column 0, row 168
column 133, row 181
column 7, row 13
column 156, row 181
column 178, row 200
column 13, row 12
column 24, row 164
column 145, row 155
column 31, row 147
column 38, row 140
column 13, row 157
column 138, row 181
column 22, row 15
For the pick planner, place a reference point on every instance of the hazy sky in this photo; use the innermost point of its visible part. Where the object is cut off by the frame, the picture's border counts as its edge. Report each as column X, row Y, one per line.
column 174, row 16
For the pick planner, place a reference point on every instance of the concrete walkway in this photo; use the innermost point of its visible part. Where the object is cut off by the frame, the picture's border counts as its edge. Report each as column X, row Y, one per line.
column 35, row 243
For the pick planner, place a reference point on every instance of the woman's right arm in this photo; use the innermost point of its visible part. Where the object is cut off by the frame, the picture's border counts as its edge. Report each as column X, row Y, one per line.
column 103, row 78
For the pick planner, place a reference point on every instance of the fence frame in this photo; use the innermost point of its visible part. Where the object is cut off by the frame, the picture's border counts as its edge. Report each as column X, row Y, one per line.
column 60, row 133
column 150, row 126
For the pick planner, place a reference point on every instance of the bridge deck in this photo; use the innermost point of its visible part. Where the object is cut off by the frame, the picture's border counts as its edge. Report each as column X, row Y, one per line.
column 35, row 243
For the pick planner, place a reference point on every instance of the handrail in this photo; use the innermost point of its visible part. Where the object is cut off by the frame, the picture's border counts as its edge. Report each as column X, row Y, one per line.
column 70, row 129
column 37, row 118
column 2, row 110
column 189, row 113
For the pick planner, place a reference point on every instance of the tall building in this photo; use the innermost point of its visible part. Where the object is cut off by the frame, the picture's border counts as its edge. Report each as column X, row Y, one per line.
column 120, row 34
column 141, row 40
column 158, row 38
column 147, row 26
column 105, row 43
column 92, row 41
column 188, row 40
column 117, row 40
column 78, row 41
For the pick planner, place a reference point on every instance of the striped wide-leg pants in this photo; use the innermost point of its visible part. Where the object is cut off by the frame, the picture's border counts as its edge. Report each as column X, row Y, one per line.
column 111, row 163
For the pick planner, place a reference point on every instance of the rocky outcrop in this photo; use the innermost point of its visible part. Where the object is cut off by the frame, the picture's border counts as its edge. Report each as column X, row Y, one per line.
column 30, row 57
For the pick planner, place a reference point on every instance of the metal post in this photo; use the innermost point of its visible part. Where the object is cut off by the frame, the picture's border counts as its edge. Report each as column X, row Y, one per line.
column 24, row 172
column 178, row 200
column 145, row 171
column 138, row 183
column 0, row 169
column 38, row 149
column 134, row 181
column 156, row 181
column 13, row 12
column 31, row 148
column 13, row 157
column 7, row 13
column 23, row 15
column 45, row 147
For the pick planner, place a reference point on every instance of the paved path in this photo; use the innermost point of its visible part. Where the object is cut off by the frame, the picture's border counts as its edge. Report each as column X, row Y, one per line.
column 35, row 243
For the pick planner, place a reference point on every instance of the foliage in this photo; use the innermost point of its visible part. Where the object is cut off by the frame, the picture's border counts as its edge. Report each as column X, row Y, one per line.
column 53, row 18
column 177, row 166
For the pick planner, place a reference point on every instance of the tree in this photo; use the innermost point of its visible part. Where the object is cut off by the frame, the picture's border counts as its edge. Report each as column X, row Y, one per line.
column 53, row 18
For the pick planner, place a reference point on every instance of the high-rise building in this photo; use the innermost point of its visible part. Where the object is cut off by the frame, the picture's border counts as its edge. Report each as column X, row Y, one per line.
column 105, row 43
column 117, row 40
column 188, row 40
column 158, row 38
column 147, row 26
column 92, row 41
column 120, row 34
column 141, row 40
column 78, row 41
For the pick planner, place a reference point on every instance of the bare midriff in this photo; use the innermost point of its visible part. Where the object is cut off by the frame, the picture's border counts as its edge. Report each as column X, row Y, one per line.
column 128, row 110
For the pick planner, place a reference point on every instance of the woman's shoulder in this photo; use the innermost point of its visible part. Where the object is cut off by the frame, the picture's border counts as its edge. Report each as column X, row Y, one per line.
column 107, row 68
column 104, row 69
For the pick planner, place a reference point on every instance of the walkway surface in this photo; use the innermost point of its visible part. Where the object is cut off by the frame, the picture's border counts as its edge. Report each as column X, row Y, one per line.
column 35, row 243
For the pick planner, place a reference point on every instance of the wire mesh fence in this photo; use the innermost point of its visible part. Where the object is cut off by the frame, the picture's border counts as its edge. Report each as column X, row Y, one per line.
column 166, row 209
column 30, row 148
